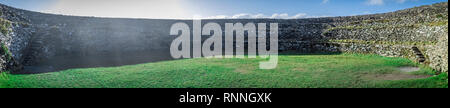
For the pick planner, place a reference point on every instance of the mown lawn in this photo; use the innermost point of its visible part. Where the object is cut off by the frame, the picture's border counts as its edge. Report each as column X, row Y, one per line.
column 293, row 71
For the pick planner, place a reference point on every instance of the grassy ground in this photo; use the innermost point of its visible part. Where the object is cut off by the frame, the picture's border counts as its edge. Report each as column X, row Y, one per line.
column 293, row 71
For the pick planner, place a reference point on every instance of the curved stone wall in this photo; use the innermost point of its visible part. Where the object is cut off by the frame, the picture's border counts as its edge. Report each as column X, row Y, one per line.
column 56, row 42
column 14, row 37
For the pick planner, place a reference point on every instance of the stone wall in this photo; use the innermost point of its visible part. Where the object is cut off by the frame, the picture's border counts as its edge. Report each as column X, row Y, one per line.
column 54, row 41
column 391, row 34
column 438, row 54
column 14, row 37
column 423, row 27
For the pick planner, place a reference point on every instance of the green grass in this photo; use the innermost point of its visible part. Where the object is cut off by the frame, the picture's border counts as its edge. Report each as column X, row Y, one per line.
column 293, row 71
column 4, row 79
column 5, row 51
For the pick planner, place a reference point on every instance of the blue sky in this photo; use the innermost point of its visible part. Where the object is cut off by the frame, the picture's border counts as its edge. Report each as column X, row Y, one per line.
column 216, row 8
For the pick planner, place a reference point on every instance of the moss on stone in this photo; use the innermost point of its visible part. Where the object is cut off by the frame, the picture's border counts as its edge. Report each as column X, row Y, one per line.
column 442, row 16
column 23, row 24
column 411, row 26
column 375, row 21
column 438, row 23
column 374, row 27
column 384, row 42
column 5, row 51
column 4, row 26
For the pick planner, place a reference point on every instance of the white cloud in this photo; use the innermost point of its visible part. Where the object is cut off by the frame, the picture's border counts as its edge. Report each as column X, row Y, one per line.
column 401, row 1
column 367, row 12
column 382, row 2
column 375, row 2
column 325, row 1
column 241, row 16
column 256, row 16
column 121, row 8
column 280, row 16
column 300, row 15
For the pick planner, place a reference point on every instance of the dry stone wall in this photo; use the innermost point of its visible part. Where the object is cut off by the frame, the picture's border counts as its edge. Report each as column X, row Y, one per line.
column 395, row 34
column 72, row 42
column 14, row 37
column 438, row 54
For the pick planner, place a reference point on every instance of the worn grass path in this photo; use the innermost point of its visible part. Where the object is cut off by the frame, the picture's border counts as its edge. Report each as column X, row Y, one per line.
column 293, row 71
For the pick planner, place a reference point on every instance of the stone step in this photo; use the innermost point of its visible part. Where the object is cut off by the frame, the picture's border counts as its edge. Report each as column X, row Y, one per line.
column 419, row 53
column 28, row 58
column 36, row 42
column 420, row 57
column 422, row 60
column 34, row 48
column 27, row 62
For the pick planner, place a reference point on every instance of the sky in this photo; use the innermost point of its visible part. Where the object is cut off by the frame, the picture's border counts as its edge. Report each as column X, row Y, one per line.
column 213, row 9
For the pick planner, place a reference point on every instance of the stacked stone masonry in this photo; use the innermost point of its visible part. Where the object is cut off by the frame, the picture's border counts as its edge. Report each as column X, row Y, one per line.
column 391, row 34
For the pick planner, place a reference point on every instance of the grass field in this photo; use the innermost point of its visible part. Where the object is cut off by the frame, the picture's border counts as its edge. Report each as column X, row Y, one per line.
column 293, row 71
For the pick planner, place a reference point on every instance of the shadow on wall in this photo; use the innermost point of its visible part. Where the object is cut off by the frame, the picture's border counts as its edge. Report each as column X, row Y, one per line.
column 65, row 42
column 58, row 63
column 97, row 42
